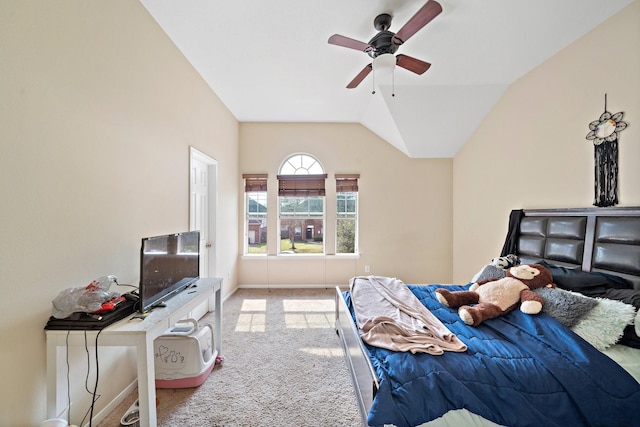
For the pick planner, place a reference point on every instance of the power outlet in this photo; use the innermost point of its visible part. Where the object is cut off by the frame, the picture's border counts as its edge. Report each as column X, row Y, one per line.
column 367, row 269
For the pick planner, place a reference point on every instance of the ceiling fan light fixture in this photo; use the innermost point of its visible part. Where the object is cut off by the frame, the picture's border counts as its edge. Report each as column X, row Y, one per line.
column 384, row 44
column 383, row 65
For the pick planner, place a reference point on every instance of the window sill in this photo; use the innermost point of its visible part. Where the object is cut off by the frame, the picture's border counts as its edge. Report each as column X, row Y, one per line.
column 299, row 256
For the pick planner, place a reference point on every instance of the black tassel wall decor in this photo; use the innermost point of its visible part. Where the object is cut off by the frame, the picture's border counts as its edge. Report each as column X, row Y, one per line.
column 604, row 133
column 606, row 173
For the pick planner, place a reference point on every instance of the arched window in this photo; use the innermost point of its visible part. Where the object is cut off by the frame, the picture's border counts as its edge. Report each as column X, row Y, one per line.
column 302, row 216
column 301, row 191
column 301, row 164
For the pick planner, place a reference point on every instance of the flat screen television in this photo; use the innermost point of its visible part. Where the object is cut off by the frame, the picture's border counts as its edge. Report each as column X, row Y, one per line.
column 168, row 265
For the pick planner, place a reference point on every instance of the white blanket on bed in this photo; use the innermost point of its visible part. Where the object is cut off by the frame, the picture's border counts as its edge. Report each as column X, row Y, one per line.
column 390, row 316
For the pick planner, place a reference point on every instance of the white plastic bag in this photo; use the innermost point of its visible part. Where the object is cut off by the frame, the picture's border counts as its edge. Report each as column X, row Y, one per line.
column 84, row 299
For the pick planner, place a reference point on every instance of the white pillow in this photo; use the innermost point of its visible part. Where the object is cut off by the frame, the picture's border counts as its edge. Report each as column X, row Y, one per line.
column 603, row 326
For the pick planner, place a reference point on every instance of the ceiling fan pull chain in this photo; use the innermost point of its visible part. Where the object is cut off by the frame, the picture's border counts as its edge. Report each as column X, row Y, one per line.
column 393, row 83
column 373, row 84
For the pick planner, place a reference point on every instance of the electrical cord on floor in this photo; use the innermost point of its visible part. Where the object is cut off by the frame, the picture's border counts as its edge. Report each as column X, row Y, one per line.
column 86, row 378
column 95, row 388
column 94, row 395
column 68, row 380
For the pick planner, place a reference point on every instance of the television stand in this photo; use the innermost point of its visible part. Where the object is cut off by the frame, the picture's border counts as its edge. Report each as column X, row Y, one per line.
column 134, row 333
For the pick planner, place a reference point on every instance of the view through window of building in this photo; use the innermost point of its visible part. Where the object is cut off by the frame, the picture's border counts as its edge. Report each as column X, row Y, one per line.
column 301, row 193
column 346, row 213
column 301, row 210
column 256, row 213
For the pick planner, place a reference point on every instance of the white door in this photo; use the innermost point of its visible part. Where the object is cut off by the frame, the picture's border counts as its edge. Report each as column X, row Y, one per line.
column 202, row 208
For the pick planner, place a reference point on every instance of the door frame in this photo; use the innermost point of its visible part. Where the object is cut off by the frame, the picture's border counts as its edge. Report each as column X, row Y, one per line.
column 212, row 198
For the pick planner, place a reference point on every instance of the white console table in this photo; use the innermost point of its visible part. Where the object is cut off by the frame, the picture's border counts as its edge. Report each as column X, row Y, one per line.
column 135, row 333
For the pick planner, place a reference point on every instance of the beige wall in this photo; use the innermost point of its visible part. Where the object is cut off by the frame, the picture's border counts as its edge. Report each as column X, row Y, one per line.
column 404, row 205
column 531, row 150
column 98, row 110
column 97, row 115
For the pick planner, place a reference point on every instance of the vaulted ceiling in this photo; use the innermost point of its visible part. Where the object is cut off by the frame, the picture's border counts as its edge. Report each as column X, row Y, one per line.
column 269, row 60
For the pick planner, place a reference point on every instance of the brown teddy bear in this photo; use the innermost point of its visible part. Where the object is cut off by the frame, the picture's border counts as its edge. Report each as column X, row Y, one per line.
column 495, row 297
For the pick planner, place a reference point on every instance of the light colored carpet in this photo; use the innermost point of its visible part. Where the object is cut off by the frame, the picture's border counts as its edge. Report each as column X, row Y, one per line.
column 283, row 366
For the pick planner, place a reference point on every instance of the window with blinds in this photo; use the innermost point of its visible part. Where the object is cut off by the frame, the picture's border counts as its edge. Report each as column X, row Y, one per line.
column 301, row 191
column 346, row 213
column 255, row 188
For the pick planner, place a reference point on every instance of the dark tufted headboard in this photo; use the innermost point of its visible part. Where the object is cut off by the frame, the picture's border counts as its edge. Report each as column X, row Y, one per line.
column 595, row 239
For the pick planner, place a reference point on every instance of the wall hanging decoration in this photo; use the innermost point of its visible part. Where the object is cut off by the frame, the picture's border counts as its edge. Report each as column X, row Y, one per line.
column 604, row 133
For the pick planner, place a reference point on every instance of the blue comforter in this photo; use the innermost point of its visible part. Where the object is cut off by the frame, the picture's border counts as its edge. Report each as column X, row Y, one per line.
column 519, row 370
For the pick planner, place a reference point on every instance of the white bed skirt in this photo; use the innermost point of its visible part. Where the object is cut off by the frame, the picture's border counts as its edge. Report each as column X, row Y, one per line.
column 460, row 417
column 627, row 357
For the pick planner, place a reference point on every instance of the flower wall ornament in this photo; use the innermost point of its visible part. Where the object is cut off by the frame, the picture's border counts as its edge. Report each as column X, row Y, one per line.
column 605, row 133
column 606, row 128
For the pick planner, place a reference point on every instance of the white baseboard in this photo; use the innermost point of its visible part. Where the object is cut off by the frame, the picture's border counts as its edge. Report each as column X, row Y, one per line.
column 114, row 403
column 288, row 286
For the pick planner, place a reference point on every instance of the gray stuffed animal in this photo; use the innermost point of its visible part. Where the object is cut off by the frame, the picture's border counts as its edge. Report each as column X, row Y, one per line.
column 497, row 269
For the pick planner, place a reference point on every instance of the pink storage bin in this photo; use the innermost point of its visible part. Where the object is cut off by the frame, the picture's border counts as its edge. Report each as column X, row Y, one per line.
column 184, row 355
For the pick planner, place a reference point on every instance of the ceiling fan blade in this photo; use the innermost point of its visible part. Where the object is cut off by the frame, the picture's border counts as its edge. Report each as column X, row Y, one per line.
column 360, row 77
column 412, row 64
column 430, row 10
column 343, row 41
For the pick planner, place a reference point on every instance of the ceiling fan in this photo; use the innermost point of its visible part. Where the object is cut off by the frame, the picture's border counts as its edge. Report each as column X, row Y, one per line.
column 386, row 42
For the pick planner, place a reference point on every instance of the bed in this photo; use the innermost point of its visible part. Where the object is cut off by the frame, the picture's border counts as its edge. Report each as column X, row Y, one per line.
column 586, row 385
